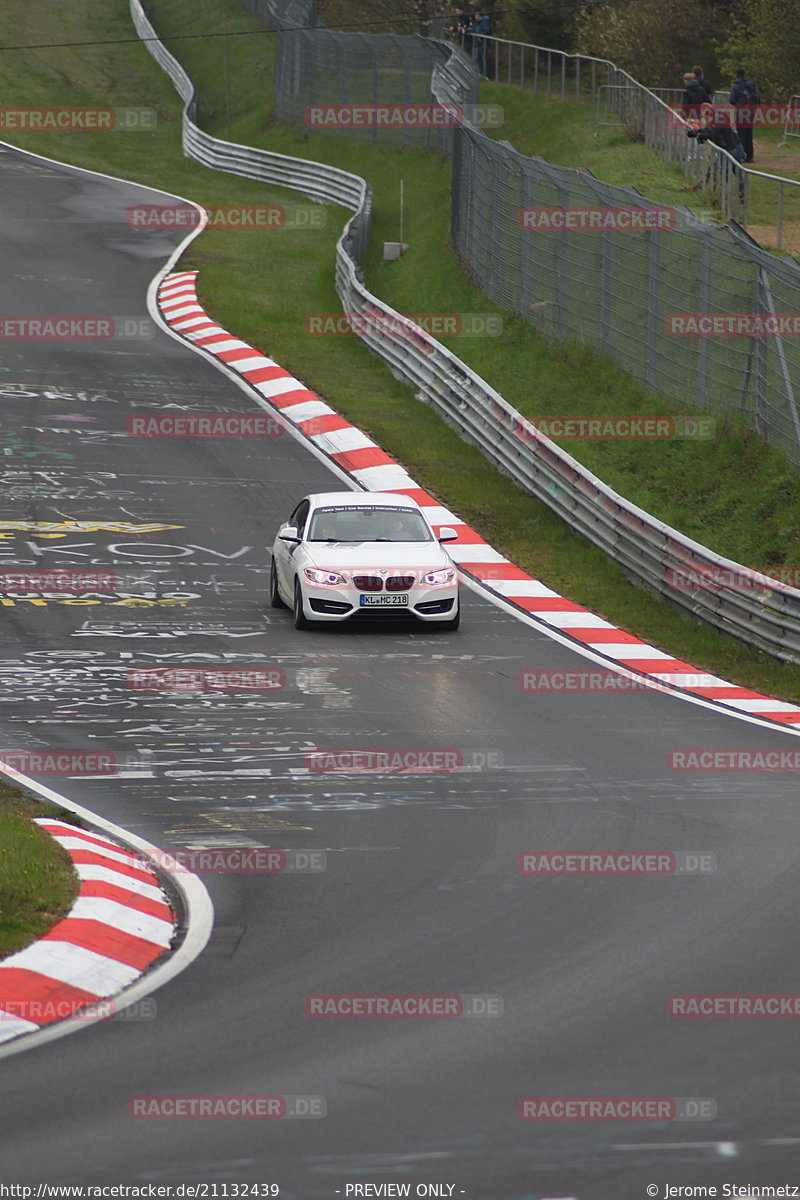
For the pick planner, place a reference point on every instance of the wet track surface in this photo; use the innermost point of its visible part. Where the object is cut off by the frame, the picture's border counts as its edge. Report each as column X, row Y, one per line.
column 421, row 891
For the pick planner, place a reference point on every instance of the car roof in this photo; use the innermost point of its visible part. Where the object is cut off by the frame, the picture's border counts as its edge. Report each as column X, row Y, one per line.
column 362, row 500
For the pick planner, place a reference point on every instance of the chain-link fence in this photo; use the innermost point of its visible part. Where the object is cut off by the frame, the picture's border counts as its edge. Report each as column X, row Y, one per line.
column 640, row 284
column 368, row 87
column 690, row 310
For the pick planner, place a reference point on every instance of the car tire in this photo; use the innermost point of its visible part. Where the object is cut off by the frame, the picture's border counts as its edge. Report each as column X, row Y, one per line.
column 300, row 619
column 274, row 595
column 452, row 625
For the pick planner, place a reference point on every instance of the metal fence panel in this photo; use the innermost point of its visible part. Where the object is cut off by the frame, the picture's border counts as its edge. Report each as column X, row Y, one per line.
column 618, row 289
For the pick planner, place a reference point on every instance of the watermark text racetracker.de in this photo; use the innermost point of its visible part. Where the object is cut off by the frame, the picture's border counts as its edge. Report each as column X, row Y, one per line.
column 547, row 681
column 66, row 328
column 705, row 758
column 206, row 679
column 77, row 120
column 617, row 862
column 236, row 217
column 607, row 429
column 734, row 1006
column 403, row 325
column 610, row 218
column 44, row 1011
column 402, row 1005
column 754, row 324
column 744, row 116
column 231, row 1108
column 691, row 577
column 58, row 762
column 403, row 760
column 58, row 582
column 236, row 860
column 616, row 1108
column 192, row 425
column 425, row 117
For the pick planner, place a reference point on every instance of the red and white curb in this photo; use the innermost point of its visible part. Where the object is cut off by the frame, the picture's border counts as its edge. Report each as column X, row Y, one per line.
column 119, row 925
column 374, row 470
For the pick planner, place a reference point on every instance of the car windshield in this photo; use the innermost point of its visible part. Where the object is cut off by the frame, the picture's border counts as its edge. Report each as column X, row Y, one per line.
column 368, row 525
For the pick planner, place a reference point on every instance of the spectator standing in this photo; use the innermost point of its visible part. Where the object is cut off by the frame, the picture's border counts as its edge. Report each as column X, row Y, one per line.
column 463, row 25
column 694, row 97
column 704, row 84
column 744, row 97
column 481, row 28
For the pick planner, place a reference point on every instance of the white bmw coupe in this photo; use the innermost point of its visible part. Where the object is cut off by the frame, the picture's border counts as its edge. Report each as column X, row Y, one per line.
column 363, row 554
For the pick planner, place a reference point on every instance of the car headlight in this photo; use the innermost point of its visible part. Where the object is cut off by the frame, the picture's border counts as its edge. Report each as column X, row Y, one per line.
column 446, row 575
column 329, row 578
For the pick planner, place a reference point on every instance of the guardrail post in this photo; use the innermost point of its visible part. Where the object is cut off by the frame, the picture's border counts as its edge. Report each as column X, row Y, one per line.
column 563, row 270
column 766, row 292
column 706, row 268
column 780, row 216
column 653, row 314
column 606, row 277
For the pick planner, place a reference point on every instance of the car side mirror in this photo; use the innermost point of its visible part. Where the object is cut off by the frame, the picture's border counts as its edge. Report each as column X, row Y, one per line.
column 289, row 534
column 446, row 534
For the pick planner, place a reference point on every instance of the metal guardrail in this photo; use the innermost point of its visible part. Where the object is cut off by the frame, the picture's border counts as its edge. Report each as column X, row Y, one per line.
column 714, row 589
column 319, row 182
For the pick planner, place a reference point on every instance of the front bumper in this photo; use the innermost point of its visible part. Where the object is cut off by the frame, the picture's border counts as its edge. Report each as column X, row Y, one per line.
column 345, row 603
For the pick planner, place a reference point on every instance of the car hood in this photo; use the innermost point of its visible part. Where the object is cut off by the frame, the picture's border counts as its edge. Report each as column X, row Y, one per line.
column 377, row 555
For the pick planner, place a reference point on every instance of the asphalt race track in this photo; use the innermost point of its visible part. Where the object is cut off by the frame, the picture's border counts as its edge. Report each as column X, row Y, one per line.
column 421, row 892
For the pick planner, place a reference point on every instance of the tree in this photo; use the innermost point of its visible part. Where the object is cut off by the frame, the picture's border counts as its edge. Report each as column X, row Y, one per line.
column 764, row 38
column 656, row 42
column 540, row 22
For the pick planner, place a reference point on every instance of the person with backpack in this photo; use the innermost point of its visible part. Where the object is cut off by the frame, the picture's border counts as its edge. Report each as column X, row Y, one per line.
column 744, row 97
column 704, row 84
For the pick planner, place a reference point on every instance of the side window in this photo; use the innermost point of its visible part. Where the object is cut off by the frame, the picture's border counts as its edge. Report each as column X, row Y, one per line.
column 300, row 516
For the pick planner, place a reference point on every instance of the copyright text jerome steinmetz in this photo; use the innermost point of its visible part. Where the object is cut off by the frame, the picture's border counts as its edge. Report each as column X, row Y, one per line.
column 738, row 1191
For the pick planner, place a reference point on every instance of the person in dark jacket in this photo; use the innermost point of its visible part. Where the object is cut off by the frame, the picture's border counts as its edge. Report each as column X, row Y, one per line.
column 744, row 97
column 717, row 129
column 694, row 96
column 481, row 25
column 461, row 30
column 704, row 84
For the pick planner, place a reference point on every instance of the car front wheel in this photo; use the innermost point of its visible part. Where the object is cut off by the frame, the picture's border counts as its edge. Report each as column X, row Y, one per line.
column 452, row 625
column 300, row 619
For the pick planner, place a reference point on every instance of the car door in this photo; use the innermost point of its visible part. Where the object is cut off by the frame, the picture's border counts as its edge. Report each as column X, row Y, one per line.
column 284, row 551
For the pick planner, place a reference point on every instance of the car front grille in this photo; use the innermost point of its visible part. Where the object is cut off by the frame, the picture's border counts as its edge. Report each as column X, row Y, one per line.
column 368, row 583
column 399, row 583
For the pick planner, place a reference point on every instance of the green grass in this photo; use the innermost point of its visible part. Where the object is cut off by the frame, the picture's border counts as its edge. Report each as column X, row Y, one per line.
column 711, row 490
column 37, row 880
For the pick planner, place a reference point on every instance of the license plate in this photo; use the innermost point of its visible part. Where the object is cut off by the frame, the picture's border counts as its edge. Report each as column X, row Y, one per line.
column 383, row 601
